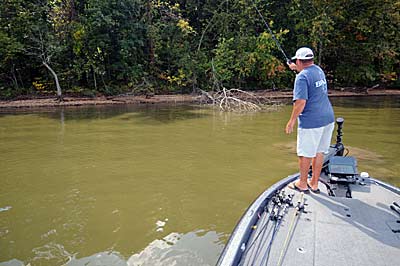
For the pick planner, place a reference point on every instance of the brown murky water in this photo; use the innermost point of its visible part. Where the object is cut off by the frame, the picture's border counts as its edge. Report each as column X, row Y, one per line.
column 158, row 185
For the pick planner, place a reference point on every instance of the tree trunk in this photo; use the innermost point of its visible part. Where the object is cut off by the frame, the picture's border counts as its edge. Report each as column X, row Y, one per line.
column 14, row 77
column 94, row 78
column 150, row 41
column 320, row 53
column 59, row 94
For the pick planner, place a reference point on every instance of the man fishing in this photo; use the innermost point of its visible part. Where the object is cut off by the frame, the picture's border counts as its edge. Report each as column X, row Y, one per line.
column 314, row 113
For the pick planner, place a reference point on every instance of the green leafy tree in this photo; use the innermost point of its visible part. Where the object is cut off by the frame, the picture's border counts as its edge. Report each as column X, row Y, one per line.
column 28, row 41
column 110, row 46
column 356, row 40
column 170, row 34
column 15, row 21
column 109, row 43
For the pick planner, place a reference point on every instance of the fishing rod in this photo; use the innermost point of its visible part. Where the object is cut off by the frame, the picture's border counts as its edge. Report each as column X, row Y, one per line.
column 271, row 211
column 299, row 210
column 282, row 202
column 264, row 219
column 278, row 222
column 394, row 209
column 276, row 203
column 288, row 61
column 264, row 228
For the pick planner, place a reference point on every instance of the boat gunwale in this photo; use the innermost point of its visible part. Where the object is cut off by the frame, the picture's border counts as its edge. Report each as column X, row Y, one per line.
column 242, row 231
column 386, row 185
column 232, row 253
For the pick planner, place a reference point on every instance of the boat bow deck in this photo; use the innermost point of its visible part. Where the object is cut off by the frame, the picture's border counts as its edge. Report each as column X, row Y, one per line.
column 334, row 231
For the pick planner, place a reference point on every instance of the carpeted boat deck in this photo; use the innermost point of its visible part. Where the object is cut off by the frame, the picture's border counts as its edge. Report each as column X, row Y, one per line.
column 361, row 230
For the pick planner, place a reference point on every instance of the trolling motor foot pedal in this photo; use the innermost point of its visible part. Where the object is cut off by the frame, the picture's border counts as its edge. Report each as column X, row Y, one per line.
column 342, row 169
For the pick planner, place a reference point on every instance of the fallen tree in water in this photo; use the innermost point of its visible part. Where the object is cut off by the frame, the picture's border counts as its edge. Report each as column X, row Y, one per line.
column 236, row 100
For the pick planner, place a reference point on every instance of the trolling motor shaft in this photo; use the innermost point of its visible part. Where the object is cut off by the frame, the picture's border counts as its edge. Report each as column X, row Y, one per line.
column 339, row 145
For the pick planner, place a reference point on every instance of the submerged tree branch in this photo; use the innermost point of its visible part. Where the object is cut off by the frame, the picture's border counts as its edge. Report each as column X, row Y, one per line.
column 235, row 100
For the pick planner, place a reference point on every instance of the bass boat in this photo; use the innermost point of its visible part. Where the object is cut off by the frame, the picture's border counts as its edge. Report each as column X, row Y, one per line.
column 354, row 220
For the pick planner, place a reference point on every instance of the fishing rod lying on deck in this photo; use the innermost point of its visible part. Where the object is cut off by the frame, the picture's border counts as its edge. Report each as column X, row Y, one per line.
column 278, row 222
column 276, row 204
column 392, row 207
column 299, row 210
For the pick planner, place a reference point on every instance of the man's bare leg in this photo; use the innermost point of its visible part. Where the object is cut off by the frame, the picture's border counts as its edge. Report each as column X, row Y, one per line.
column 316, row 170
column 304, row 165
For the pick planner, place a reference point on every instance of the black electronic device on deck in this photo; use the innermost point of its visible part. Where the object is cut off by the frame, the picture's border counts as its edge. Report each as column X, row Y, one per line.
column 342, row 169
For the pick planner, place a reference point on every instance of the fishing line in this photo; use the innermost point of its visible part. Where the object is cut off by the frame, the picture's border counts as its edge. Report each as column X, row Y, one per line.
column 288, row 61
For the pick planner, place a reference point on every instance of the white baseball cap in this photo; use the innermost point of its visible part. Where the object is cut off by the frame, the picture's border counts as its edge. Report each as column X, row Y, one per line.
column 303, row 53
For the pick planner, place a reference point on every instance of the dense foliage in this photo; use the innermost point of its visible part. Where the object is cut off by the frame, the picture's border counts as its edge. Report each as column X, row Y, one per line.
column 155, row 46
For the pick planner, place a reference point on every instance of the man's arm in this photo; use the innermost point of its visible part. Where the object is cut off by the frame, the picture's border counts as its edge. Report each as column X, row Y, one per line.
column 298, row 107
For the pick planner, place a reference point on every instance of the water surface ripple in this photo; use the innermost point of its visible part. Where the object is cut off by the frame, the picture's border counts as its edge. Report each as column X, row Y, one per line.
column 155, row 185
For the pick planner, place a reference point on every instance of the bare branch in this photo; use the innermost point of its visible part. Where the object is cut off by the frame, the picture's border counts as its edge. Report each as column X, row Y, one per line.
column 235, row 100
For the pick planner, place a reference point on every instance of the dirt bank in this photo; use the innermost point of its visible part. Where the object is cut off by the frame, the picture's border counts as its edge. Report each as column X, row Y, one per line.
column 129, row 99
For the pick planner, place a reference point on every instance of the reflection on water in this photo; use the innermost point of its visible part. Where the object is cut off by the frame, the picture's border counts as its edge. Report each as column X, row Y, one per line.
column 173, row 249
column 180, row 249
column 155, row 185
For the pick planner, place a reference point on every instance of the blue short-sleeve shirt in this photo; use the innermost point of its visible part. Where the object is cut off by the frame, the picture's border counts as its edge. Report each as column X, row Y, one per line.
column 311, row 85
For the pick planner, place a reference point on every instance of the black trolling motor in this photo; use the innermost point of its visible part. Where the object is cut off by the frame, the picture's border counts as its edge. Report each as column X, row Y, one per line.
column 339, row 145
column 341, row 169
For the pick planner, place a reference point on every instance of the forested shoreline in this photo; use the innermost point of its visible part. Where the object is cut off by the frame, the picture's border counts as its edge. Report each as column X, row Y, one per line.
column 110, row 47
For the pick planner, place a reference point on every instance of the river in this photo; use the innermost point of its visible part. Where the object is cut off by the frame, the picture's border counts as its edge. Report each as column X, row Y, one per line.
column 155, row 185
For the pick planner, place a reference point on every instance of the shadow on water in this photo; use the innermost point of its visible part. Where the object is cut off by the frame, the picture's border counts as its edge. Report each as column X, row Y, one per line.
column 367, row 101
column 164, row 114
column 146, row 114
column 168, row 113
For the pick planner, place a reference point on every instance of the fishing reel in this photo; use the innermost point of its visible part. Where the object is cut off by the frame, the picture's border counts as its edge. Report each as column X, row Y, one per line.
column 282, row 198
column 280, row 203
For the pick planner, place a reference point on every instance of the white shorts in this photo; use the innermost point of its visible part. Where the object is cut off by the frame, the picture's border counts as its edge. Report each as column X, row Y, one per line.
column 311, row 141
